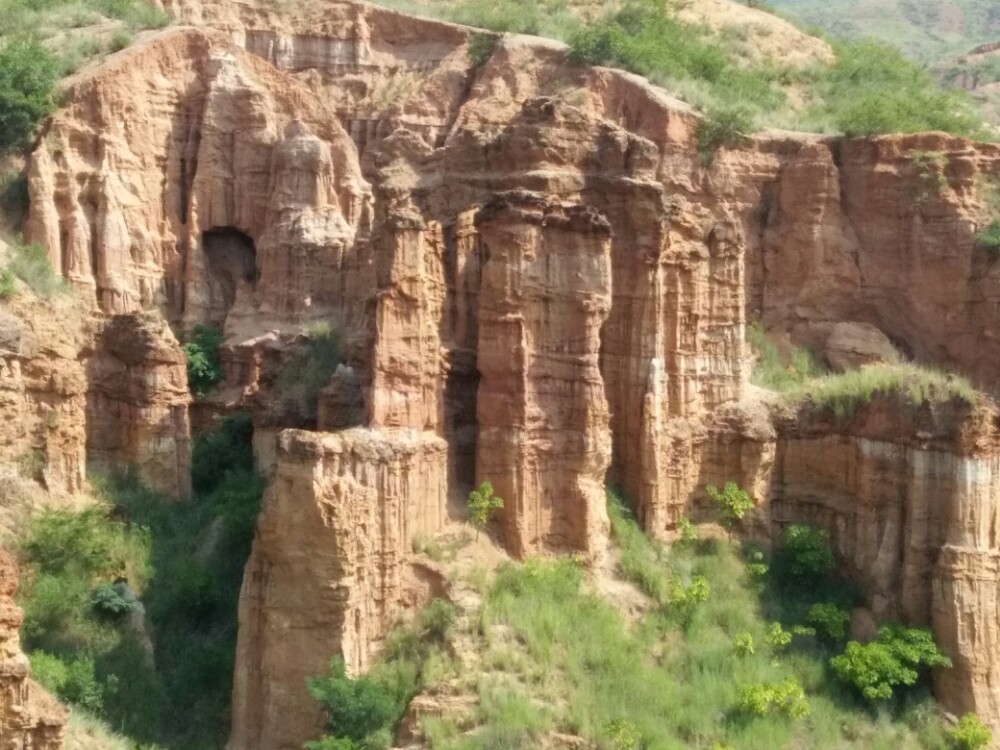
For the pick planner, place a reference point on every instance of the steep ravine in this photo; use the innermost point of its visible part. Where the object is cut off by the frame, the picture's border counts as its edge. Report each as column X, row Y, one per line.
column 545, row 290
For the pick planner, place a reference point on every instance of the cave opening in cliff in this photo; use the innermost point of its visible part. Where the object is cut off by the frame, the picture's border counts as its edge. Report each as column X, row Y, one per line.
column 232, row 262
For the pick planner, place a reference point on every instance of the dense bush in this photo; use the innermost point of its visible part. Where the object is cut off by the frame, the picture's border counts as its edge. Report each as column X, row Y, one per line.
column 872, row 89
column 203, row 366
column 896, row 659
column 722, row 126
column 355, row 708
column 970, row 734
column 308, row 369
column 764, row 699
column 829, row 620
column 803, row 554
column 185, row 560
column 28, row 75
column 362, row 712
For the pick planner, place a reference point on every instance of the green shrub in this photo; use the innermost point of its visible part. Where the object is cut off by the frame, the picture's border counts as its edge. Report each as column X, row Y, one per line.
column 109, row 602
column 28, row 74
column 764, row 699
column 989, row 238
column 203, row 366
column 483, row 504
column 308, row 369
column 623, row 735
column 970, row 734
column 829, row 620
column 481, row 48
column 687, row 532
column 226, row 449
column 743, row 645
column 804, row 555
column 732, row 502
column 684, row 599
column 355, row 708
column 120, row 40
column 896, row 659
column 722, row 127
column 73, row 681
column 14, row 196
column 777, row 639
column 363, row 712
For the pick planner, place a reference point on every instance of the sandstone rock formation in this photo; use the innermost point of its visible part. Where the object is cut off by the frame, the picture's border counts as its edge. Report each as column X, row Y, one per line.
column 853, row 345
column 29, row 717
column 328, row 574
column 535, row 282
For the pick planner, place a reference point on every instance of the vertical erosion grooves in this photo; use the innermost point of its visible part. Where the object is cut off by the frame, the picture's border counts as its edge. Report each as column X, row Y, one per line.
column 327, row 573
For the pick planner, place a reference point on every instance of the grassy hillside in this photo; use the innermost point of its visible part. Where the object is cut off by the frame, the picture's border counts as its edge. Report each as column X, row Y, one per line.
column 926, row 30
column 706, row 645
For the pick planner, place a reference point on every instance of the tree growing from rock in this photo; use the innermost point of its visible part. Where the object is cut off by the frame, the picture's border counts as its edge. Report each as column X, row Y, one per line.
column 732, row 502
column 483, row 504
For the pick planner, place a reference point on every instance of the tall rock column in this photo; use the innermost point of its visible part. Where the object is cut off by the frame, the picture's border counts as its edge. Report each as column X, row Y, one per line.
column 407, row 379
column 327, row 573
column 544, row 440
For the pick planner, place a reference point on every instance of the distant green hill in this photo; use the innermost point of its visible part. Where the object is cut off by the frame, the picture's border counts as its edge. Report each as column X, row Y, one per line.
column 925, row 30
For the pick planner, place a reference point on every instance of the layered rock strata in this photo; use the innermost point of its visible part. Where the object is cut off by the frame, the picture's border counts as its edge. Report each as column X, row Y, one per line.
column 910, row 496
column 29, row 717
column 544, row 441
column 327, row 575
column 137, row 402
column 535, row 279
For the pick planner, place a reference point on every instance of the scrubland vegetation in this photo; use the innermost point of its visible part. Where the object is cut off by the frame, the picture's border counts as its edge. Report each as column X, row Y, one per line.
column 159, row 672
column 870, row 88
column 796, row 372
column 734, row 650
column 29, row 264
column 41, row 40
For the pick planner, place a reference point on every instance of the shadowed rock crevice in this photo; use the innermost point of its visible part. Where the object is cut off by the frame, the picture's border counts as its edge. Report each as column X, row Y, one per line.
column 232, row 268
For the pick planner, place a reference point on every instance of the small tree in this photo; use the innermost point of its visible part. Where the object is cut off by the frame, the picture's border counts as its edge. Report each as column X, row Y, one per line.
column 804, row 556
column 482, row 505
column 733, row 504
column 28, row 75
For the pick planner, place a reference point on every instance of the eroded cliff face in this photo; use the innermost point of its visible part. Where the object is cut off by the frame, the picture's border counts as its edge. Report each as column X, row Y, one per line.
column 536, row 282
column 328, row 573
column 29, row 717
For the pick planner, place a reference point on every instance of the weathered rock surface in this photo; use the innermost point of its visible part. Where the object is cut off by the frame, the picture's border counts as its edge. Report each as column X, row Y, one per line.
column 536, row 282
column 910, row 495
column 853, row 345
column 544, row 441
column 328, row 574
column 29, row 717
column 43, row 388
column 137, row 402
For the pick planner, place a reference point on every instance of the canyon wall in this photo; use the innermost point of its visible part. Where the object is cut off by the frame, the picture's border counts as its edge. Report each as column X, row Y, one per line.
column 909, row 493
column 29, row 717
column 535, row 281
